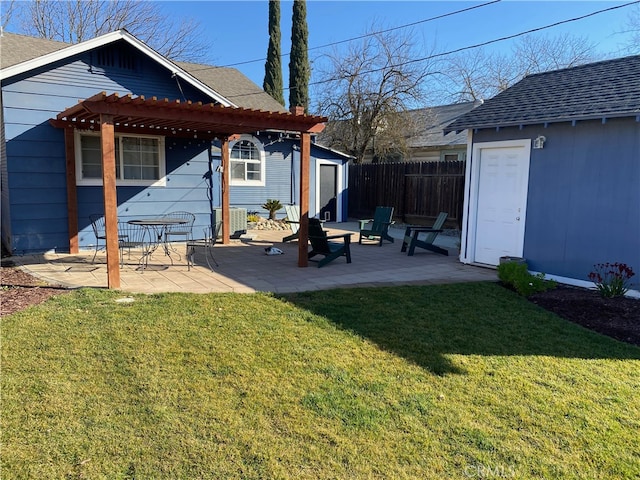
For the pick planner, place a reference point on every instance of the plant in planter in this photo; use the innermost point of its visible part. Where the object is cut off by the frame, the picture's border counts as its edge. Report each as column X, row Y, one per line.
column 272, row 206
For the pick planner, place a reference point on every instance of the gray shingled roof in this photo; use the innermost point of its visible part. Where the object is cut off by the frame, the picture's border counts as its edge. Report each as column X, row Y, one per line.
column 432, row 121
column 233, row 85
column 228, row 82
column 15, row 49
column 605, row 89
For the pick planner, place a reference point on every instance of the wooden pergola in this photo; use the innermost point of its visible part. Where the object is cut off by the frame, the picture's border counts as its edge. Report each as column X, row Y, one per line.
column 109, row 114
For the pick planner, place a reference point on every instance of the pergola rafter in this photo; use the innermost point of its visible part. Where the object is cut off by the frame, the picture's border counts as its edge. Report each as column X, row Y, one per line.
column 111, row 114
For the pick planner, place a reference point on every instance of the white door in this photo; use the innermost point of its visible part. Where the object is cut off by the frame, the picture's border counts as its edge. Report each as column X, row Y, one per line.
column 503, row 175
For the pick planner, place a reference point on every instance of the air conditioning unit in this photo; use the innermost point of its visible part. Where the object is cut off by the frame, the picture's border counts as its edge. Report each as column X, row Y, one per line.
column 237, row 220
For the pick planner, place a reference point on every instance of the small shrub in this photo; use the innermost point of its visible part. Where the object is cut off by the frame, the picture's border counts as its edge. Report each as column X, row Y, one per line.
column 611, row 279
column 516, row 276
column 253, row 218
column 272, row 206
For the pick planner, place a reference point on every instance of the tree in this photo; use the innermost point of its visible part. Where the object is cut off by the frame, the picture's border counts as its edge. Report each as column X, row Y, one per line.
column 299, row 70
column 479, row 75
column 75, row 21
column 9, row 8
column 273, row 66
column 366, row 91
column 633, row 29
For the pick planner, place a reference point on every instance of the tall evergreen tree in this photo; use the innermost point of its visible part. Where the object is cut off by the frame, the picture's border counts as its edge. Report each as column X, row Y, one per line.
column 273, row 66
column 299, row 70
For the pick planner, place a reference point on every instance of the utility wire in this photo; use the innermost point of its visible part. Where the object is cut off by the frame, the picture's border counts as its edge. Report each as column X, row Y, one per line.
column 358, row 37
column 469, row 47
column 488, row 42
column 399, row 27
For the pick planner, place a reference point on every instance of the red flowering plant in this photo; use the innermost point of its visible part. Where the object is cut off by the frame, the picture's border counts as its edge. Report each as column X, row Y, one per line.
column 611, row 279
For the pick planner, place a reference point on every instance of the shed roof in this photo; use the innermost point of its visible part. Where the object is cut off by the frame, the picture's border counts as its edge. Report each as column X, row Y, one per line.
column 601, row 90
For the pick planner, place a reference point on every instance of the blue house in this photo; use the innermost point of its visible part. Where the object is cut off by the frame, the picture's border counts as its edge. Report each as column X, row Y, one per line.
column 159, row 168
column 553, row 172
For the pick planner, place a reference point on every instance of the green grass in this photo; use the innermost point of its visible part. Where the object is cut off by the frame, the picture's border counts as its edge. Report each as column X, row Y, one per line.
column 447, row 381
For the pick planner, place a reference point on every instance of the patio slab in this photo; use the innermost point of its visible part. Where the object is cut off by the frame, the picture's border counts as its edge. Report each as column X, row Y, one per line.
column 245, row 268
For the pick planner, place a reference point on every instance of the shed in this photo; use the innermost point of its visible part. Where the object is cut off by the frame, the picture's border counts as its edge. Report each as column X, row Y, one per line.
column 553, row 171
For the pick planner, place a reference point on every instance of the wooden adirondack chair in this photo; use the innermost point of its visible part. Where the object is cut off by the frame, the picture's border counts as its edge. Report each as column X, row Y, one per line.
column 411, row 236
column 321, row 244
column 378, row 226
column 293, row 219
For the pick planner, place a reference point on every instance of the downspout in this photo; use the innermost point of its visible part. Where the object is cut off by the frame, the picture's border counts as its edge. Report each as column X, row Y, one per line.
column 208, row 177
column 294, row 150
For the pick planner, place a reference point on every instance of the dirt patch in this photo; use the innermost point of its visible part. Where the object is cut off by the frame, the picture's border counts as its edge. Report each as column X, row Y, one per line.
column 18, row 290
column 616, row 317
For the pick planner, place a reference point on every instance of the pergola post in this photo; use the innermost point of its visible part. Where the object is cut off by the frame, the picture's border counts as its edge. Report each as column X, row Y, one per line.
column 72, row 195
column 226, row 223
column 138, row 115
column 303, row 231
column 107, row 139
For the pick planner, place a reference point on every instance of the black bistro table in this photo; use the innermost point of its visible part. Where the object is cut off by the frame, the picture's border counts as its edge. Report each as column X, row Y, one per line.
column 154, row 230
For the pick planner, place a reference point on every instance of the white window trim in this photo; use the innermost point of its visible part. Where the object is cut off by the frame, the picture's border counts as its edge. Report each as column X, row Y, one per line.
column 261, row 152
column 460, row 154
column 161, row 182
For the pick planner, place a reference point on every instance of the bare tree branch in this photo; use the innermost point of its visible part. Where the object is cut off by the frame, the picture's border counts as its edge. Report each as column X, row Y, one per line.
column 364, row 90
column 477, row 74
column 8, row 8
column 633, row 28
column 75, row 21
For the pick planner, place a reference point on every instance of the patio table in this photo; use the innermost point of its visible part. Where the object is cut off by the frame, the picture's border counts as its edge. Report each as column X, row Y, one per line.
column 154, row 229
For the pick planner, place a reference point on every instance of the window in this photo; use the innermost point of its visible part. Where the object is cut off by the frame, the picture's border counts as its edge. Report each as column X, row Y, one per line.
column 247, row 162
column 453, row 156
column 139, row 159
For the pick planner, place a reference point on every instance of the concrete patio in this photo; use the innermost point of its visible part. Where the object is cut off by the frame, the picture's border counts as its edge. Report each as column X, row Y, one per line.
column 244, row 267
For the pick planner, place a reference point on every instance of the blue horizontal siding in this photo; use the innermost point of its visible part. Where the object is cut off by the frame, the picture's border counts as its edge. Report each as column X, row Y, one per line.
column 583, row 202
column 36, row 155
column 33, row 133
column 37, row 151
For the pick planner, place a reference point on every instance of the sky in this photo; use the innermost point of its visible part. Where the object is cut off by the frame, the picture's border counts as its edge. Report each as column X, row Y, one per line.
column 238, row 30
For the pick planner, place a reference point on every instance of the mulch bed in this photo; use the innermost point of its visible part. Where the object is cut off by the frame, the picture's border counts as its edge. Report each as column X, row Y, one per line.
column 618, row 318
column 18, row 290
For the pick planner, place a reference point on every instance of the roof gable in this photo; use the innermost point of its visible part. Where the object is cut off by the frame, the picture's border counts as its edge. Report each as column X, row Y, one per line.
column 599, row 90
column 227, row 86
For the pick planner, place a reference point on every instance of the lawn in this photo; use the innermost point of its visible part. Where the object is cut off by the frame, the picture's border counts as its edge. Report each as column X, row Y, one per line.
column 430, row 382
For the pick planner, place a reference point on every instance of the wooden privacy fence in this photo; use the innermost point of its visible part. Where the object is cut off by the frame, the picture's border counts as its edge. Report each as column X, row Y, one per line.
column 418, row 191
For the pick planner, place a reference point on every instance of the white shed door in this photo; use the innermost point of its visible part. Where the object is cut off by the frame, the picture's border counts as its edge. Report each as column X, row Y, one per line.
column 501, row 205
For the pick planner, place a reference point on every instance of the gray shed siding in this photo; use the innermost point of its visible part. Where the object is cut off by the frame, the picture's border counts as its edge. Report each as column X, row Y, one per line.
column 583, row 202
